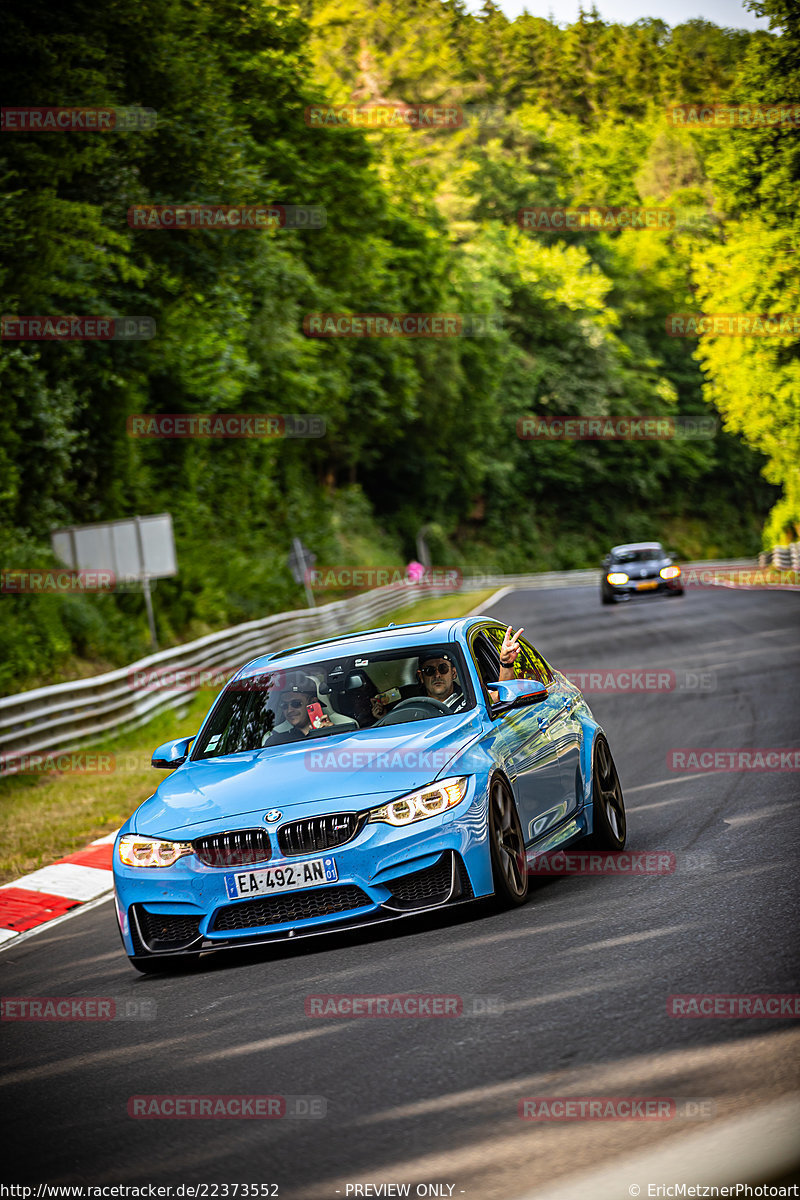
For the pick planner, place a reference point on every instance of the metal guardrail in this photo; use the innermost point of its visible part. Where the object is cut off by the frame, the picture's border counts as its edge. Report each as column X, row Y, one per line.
column 785, row 558
column 64, row 716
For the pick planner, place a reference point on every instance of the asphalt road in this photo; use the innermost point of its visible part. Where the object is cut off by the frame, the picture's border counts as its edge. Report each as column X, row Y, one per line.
column 580, row 976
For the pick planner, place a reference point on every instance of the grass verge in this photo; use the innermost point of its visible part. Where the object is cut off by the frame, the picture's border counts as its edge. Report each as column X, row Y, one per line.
column 45, row 817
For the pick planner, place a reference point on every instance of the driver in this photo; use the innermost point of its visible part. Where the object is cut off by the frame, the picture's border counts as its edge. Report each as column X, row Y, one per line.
column 438, row 674
column 438, row 677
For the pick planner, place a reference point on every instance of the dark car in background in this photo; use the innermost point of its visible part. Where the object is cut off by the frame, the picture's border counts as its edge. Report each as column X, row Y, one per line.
column 639, row 569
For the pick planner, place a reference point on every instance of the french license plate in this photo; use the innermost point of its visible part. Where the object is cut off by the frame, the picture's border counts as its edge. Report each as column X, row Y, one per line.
column 281, row 879
column 646, row 587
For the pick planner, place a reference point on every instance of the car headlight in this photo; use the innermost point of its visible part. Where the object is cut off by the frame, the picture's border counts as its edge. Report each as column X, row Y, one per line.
column 137, row 851
column 617, row 577
column 669, row 572
column 426, row 802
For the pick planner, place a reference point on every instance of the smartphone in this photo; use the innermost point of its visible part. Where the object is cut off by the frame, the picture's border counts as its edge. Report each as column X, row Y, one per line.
column 315, row 715
column 389, row 697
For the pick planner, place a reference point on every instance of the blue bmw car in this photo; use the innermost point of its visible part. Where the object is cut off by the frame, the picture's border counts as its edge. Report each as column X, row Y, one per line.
column 366, row 778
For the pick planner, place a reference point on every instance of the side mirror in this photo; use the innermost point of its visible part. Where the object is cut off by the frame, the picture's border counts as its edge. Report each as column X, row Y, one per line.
column 172, row 754
column 517, row 693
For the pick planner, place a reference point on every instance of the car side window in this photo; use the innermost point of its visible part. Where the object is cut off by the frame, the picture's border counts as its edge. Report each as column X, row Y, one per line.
column 534, row 665
column 487, row 660
column 529, row 664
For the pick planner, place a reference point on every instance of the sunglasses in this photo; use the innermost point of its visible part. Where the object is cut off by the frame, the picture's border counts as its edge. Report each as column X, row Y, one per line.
column 293, row 703
column 442, row 668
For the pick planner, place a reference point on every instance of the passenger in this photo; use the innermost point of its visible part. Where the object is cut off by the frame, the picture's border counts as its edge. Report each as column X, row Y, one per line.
column 293, row 704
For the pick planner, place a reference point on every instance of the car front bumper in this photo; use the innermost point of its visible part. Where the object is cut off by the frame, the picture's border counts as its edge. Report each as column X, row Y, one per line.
column 644, row 587
column 384, row 873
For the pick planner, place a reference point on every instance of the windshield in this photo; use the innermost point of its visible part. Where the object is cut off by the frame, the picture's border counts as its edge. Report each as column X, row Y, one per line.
column 336, row 695
column 633, row 556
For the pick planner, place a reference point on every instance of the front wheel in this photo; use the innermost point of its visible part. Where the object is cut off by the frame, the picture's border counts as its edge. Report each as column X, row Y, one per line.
column 607, row 802
column 507, row 847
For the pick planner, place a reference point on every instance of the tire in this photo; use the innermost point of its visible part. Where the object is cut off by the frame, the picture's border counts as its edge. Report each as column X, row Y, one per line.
column 607, row 599
column 610, row 826
column 506, row 847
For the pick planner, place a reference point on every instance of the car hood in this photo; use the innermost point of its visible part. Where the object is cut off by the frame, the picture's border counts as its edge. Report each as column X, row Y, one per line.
column 350, row 768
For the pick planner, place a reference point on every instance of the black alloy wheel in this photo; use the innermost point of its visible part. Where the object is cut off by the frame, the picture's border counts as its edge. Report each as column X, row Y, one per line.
column 507, row 846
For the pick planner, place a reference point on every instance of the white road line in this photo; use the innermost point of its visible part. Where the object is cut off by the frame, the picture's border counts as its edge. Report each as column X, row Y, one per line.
column 760, row 814
column 481, row 609
column 737, row 641
column 637, row 808
column 643, row 787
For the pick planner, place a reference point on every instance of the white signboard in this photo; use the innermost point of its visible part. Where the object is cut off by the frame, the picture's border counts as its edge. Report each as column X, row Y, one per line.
column 137, row 548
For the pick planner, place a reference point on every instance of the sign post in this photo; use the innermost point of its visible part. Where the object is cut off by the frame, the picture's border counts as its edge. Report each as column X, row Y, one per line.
column 136, row 550
column 301, row 560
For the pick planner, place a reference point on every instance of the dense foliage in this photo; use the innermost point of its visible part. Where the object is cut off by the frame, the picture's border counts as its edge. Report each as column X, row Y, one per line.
column 420, row 432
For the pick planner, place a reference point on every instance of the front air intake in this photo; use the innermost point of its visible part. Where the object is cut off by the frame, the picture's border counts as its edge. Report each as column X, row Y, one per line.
column 240, row 848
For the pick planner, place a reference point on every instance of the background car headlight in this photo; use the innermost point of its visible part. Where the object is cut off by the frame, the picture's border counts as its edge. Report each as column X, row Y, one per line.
column 426, row 802
column 617, row 577
column 137, row 851
column 669, row 572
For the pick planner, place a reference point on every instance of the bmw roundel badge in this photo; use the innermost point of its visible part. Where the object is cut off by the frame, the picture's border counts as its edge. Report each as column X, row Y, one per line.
column 274, row 814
